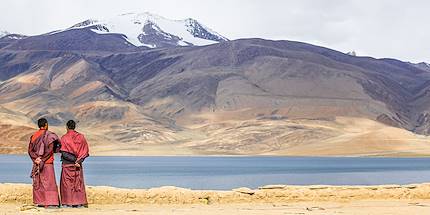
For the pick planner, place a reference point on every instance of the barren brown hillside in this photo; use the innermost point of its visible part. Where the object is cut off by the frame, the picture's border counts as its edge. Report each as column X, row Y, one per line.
column 249, row 96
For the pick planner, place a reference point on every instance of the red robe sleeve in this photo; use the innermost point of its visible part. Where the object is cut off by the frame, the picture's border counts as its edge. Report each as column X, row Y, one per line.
column 33, row 155
column 83, row 149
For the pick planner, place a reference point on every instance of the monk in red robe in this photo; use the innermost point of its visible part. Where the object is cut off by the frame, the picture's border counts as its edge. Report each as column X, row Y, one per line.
column 74, row 150
column 41, row 149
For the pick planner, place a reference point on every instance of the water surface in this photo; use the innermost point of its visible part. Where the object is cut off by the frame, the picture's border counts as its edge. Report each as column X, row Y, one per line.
column 232, row 172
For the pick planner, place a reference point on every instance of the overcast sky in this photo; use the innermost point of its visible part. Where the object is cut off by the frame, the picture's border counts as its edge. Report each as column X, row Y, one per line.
column 379, row 28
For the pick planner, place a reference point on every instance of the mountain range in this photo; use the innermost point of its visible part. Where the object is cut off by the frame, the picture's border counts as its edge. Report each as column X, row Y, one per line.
column 143, row 84
column 125, row 32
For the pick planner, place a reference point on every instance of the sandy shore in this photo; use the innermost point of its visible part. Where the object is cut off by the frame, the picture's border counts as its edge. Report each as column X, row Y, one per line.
column 377, row 207
column 272, row 199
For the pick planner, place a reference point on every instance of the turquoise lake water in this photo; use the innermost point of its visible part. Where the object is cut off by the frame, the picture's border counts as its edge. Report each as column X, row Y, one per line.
column 232, row 172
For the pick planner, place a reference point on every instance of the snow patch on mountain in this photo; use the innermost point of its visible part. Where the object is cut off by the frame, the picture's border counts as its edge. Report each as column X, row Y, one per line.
column 3, row 33
column 151, row 30
column 352, row 53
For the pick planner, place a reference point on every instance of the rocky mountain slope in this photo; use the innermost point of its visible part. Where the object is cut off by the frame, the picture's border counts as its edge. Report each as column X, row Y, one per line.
column 248, row 96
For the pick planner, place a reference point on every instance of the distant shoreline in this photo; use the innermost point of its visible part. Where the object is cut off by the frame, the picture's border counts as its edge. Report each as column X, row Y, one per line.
column 256, row 155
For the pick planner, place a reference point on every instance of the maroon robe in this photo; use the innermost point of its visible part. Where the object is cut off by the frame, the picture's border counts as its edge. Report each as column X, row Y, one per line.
column 45, row 191
column 72, row 186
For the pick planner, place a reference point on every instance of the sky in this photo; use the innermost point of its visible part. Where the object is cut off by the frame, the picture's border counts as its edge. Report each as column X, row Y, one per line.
column 378, row 28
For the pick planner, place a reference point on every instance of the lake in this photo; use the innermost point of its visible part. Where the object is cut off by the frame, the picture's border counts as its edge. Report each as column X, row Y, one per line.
column 232, row 172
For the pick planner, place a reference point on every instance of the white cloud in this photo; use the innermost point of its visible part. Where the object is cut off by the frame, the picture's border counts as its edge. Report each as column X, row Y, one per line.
column 383, row 28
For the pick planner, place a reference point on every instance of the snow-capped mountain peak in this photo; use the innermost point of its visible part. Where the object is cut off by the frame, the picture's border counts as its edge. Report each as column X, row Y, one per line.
column 352, row 53
column 151, row 30
column 3, row 33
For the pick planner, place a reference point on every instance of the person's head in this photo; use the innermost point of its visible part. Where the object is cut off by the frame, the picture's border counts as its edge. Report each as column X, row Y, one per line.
column 71, row 125
column 42, row 123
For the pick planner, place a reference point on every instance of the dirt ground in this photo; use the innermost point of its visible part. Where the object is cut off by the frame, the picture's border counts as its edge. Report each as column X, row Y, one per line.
column 380, row 207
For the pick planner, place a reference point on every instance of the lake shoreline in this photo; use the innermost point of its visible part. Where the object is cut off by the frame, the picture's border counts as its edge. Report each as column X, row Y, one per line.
column 270, row 199
column 21, row 193
column 247, row 155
